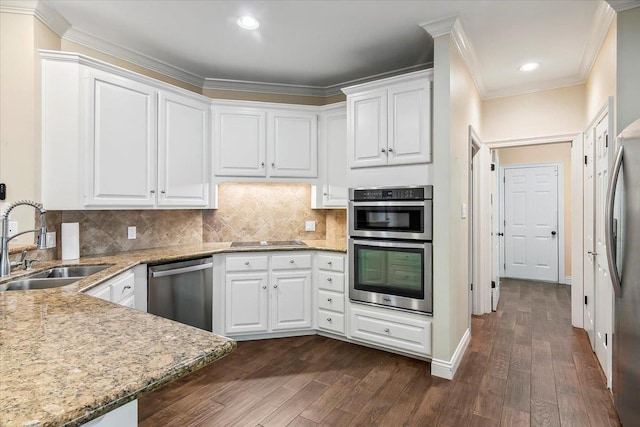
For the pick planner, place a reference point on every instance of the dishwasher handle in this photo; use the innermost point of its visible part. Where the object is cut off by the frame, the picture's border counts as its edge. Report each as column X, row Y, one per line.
column 181, row 270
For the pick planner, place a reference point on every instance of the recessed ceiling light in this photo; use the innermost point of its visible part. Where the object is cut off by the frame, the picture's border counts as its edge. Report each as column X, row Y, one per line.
column 530, row 66
column 248, row 22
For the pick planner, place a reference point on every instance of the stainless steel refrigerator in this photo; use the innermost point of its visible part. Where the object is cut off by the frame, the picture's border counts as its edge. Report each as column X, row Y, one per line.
column 623, row 253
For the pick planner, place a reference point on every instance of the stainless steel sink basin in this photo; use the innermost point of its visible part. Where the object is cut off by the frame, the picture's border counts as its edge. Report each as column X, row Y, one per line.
column 30, row 283
column 78, row 271
column 53, row 277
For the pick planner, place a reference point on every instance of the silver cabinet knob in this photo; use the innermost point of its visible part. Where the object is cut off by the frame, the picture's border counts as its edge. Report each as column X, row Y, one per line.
column 246, row 263
column 329, row 262
column 386, row 330
column 329, row 299
column 264, row 287
column 328, row 319
column 291, row 261
column 275, row 286
column 163, row 192
column 273, row 164
column 128, row 287
column 391, row 150
column 329, row 279
column 383, row 150
column 325, row 194
column 153, row 191
column 262, row 164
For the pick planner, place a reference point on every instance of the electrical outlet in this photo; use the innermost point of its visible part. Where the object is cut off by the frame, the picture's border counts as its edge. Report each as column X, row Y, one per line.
column 309, row 226
column 13, row 228
column 131, row 232
column 51, row 239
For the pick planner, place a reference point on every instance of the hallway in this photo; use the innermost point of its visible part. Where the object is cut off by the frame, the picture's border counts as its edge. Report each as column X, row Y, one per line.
column 525, row 365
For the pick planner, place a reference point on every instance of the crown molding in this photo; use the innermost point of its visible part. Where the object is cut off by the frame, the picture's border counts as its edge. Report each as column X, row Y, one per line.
column 468, row 56
column 440, row 27
column 600, row 27
column 78, row 36
column 622, row 5
column 45, row 14
column 532, row 88
column 551, row 139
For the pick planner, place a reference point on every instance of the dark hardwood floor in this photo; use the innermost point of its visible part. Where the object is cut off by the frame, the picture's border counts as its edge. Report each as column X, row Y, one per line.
column 525, row 365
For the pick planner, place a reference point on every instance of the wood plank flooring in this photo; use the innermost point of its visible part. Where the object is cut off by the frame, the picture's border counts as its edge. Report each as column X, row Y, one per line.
column 525, row 365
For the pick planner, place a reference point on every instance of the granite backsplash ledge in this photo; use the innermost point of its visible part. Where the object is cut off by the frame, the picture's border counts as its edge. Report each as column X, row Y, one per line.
column 247, row 212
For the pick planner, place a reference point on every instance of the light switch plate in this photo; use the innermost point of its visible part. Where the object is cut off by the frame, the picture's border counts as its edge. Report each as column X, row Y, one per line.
column 51, row 239
column 309, row 226
column 13, row 228
column 131, row 232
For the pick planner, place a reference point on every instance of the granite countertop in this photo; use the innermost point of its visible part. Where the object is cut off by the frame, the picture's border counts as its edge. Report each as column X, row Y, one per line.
column 67, row 357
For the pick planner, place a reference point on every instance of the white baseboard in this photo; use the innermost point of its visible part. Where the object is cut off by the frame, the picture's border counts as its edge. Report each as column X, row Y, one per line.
column 567, row 280
column 264, row 336
column 447, row 368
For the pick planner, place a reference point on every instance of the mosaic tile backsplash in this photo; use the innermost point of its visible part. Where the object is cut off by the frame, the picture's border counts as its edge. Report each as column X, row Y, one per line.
column 247, row 212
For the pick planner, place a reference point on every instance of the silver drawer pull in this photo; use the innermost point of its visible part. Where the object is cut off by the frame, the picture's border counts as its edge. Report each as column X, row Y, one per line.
column 329, row 299
column 329, row 262
column 264, row 287
column 128, row 287
column 329, row 279
column 291, row 261
column 328, row 319
column 386, row 330
column 246, row 263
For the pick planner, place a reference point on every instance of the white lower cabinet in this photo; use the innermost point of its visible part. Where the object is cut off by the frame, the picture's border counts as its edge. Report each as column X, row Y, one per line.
column 267, row 293
column 124, row 416
column 119, row 289
column 331, row 293
column 397, row 330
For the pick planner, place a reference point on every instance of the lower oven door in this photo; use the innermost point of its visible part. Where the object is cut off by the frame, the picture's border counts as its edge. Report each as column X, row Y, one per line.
column 391, row 273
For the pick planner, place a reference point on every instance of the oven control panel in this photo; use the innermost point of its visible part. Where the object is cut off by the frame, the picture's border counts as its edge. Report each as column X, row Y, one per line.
column 395, row 193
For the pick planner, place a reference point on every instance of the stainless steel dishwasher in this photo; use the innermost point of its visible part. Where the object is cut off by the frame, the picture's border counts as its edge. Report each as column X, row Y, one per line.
column 182, row 291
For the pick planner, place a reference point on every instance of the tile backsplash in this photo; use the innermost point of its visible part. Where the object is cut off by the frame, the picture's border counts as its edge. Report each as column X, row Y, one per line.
column 247, row 212
column 251, row 212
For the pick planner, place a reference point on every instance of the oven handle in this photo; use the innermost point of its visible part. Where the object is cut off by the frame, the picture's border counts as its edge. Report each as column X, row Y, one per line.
column 389, row 203
column 388, row 244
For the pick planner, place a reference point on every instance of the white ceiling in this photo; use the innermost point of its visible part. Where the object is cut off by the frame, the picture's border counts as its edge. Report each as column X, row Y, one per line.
column 322, row 44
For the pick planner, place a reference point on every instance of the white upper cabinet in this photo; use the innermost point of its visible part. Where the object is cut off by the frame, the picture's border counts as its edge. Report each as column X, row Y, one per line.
column 113, row 139
column 121, row 136
column 183, row 151
column 332, row 159
column 240, row 141
column 259, row 141
column 293, row 144
column 389, row 121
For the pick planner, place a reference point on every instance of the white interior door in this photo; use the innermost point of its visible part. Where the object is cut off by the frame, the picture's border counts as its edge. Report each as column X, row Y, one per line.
column 589, row 239
column 603, row 286
column 495, row 231
column 531, row 222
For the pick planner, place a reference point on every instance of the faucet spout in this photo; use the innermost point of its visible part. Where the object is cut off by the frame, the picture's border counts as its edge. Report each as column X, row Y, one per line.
column 5, row 265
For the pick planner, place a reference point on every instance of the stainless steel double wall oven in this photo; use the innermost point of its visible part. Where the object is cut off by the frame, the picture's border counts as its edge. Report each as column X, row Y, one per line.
column 390, row 248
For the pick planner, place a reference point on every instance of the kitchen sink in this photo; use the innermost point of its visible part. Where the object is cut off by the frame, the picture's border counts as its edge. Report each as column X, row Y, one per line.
column 31, row 283
column 53, row 277
column 75, row 271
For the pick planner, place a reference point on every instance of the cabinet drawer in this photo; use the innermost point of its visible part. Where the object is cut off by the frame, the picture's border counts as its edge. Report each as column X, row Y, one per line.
column 331, row 263
column 101, row 291
column 122, row 286
column 290, row 262
column 331, row 281
column 391, row 330
column 330, row 321
column 331, row 301
column 247, row 263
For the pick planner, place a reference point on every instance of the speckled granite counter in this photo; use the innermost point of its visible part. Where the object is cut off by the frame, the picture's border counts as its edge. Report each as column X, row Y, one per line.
column 67, row 358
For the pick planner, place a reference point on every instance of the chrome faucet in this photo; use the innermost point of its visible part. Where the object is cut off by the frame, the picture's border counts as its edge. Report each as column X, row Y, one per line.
column 5, row 265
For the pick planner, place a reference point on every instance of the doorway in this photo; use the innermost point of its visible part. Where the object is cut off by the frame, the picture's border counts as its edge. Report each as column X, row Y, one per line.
column 532, row 202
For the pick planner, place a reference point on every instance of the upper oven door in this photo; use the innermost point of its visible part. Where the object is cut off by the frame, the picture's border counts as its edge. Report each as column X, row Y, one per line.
column 410, row 220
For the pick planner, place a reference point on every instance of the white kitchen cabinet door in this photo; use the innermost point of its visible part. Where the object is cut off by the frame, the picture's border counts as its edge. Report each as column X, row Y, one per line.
column 409, row 123
column 183, row 151
column 335, row 144
column 290, row 300
column 246, row 303
column 121, row 139
column 367, row 133
column 293, row 144
column 239, row 141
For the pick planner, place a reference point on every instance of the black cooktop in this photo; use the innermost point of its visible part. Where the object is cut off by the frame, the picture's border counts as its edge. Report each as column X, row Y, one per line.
column 265, row 243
